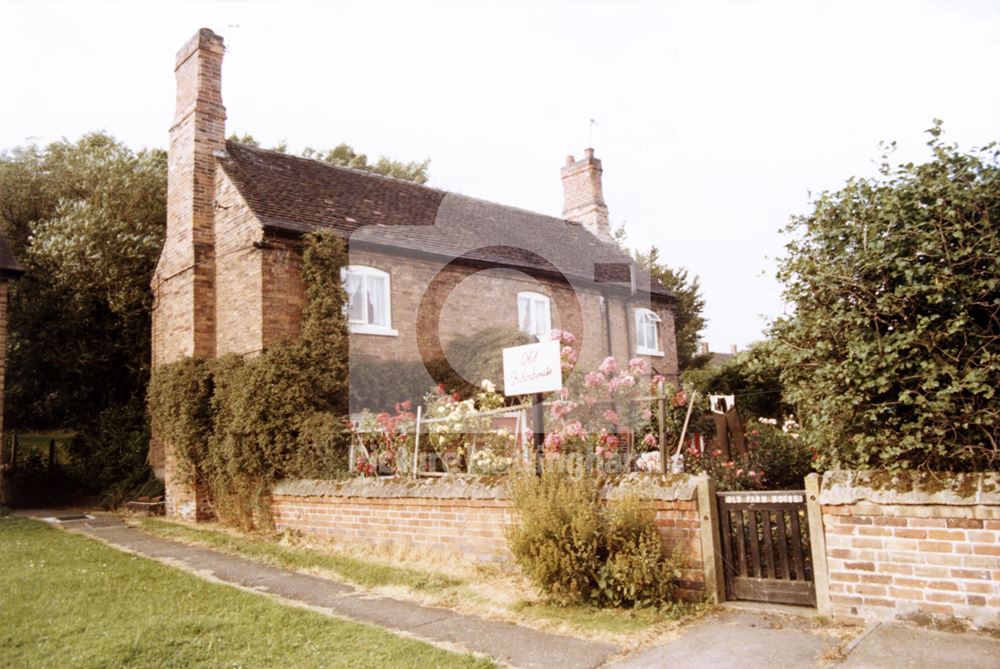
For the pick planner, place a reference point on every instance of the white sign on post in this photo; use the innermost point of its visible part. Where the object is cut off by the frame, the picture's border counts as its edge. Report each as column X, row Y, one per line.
column 534, row 368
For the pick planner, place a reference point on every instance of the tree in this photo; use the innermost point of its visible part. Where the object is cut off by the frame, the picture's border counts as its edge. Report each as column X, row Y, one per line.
column 344, row 155
column 892, row 355
column 688, row 318
column 86, row 220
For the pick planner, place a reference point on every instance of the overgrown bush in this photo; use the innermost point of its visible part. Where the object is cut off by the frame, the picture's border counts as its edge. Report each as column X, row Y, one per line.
column 579, row 550
column 237, row 425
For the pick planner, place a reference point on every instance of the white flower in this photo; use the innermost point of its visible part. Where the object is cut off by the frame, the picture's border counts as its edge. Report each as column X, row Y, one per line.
column 488, row 386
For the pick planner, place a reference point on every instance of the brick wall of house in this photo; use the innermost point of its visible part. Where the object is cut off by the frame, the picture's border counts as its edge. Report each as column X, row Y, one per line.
column 925, row 551
column 239, row 279
column 459, row 517
column 452, row 302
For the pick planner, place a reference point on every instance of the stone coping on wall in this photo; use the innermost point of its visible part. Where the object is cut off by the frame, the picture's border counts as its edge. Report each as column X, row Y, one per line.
column 910, row 488
column 670, row 487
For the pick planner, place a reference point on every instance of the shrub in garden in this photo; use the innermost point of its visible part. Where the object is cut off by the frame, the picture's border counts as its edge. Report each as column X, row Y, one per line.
column 579, row 550
column 776, row 459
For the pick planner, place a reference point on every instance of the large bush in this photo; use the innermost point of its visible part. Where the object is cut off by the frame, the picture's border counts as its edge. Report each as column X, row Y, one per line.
column 893, row 351
column 579, row 550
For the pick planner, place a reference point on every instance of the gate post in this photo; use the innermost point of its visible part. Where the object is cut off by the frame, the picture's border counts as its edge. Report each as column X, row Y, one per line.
column 817, row 544
column 711, row 555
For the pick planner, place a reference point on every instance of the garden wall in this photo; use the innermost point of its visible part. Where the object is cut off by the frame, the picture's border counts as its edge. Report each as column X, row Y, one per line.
column 468, row 516
column 914, row 547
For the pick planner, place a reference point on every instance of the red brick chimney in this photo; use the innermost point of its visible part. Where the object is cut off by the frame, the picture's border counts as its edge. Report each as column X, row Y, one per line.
column 583, row 196
column 184, row 284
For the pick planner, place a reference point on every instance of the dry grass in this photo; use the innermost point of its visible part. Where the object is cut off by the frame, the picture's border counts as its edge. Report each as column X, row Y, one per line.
column 495, row 590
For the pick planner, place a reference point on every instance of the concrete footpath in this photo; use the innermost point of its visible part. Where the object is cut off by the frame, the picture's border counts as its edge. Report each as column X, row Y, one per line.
column 748, row 639
column 738, row 638
column 509, row 644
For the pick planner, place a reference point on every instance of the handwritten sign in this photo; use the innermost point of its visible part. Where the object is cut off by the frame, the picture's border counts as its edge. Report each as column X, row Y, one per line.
column 535, row 368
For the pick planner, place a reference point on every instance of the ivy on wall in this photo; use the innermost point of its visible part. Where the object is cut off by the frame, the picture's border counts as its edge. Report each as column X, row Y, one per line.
column 237, row 425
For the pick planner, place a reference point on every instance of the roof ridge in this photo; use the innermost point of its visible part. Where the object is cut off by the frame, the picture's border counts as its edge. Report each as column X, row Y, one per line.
column 377, row 175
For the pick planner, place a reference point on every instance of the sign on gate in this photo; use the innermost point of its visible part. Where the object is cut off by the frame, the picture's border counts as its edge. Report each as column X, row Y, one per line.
column 534, row 368
column 766, row 555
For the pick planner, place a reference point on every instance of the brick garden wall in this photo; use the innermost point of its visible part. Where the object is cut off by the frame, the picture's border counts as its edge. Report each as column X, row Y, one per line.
column 914, row 549
column 462, row 516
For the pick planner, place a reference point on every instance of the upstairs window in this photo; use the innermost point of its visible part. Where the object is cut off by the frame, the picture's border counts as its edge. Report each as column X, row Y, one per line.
column 647, row 335
column 533, row 314
column 368, row 309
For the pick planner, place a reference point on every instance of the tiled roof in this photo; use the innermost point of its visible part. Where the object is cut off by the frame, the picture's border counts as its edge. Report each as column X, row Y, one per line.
column 300, row 195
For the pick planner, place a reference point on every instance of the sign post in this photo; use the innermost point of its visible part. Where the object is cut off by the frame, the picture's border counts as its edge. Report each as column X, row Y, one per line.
column 533, row 369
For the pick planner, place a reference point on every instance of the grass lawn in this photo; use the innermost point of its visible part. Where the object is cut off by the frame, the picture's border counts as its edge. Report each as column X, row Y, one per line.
column 70, row 601
column 481, row 589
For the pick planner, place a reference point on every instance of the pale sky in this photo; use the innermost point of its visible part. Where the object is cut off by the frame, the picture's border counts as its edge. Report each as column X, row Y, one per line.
column 714, row 120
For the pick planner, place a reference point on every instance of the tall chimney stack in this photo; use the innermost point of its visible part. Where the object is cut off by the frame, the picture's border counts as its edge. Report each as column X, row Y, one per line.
column 185, row 277
column 583, row 195
column 184, row 281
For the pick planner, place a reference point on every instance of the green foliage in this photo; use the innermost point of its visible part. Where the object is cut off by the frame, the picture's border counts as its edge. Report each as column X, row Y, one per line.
column 344, row 155
column 892, row 354
column 86, row 220
column 753, row 375
column 577, row 549
column 109, row 453
column 239, row 424
column 689, row 319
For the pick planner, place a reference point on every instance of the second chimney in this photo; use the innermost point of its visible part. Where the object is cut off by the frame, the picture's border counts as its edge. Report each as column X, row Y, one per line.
column 583, row 195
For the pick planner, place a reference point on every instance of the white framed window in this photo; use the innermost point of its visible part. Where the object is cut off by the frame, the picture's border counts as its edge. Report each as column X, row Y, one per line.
column 647, row 335
column 368, row 300
column 533, row 314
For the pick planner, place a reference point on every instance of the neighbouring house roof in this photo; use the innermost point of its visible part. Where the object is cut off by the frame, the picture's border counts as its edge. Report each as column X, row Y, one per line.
column 299, row 195
column 9, row 267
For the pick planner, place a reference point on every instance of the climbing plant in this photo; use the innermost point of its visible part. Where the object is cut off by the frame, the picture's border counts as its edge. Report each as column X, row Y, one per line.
column 237, row 425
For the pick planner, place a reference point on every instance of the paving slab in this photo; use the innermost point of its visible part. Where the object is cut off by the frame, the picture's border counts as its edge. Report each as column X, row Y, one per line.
column 510, row 644
column 894, row 645
column 738, row 640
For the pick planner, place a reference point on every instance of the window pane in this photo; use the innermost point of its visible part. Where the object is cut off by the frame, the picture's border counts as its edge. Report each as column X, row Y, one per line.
column 354, row 285
column 524, row 313
column 378, row 313
column 542, row 318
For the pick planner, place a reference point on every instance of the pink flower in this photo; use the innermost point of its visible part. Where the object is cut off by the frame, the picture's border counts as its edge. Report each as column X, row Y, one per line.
column 658, row 379
column 649, row 440
column 680, row 398
column 625, row 380
column 593, row 380
column 637, row 366
column 611, row 416
column 568, row 353
column 609, row 441
column 575, row 429
column 647, row 414
column 553, row 442
column 609, row 366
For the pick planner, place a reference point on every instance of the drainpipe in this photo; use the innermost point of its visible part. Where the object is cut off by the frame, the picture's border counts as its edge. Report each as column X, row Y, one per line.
column 606, row 315
column 629, row 318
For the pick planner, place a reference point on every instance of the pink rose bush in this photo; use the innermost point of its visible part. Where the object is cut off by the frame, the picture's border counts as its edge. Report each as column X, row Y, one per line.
column 603, row 413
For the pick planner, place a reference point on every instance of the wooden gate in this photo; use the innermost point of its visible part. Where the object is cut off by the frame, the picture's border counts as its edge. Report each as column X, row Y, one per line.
column 765, row 546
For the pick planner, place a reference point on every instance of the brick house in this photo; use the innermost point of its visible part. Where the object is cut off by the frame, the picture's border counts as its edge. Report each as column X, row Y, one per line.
column 425, row 265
